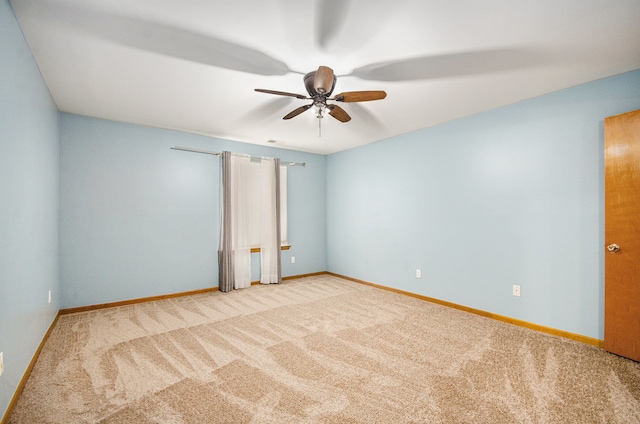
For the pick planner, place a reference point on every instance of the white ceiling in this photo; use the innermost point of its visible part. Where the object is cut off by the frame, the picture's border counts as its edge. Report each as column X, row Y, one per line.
column 192, row 65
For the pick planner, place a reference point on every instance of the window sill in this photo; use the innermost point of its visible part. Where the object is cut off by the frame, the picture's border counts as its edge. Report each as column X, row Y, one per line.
column 257, row 249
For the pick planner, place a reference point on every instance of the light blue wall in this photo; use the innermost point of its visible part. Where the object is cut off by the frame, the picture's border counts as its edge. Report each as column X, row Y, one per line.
column 138, row 219
column 28, row 205
column 509, row 196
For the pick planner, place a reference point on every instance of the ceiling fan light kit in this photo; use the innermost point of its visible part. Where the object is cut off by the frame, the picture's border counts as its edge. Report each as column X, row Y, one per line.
column 319, row 85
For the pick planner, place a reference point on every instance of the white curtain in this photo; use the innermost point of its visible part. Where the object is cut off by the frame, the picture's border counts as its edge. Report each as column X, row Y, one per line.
column 251, row 218
column 240, row 210
column 269, row 228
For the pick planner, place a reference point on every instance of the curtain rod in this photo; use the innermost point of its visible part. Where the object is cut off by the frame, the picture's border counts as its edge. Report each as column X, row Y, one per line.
column 206, row 152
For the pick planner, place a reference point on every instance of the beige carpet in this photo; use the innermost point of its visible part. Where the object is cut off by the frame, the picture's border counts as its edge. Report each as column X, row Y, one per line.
column 317, row 350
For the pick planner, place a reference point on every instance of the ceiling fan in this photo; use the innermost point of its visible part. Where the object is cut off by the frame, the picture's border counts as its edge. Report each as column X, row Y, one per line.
column 320, row 85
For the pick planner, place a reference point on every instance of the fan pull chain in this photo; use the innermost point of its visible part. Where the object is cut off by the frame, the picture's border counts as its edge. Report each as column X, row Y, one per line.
column 319, row 128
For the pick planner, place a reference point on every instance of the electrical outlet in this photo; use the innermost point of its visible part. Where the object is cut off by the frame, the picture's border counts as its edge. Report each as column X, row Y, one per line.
column 1, row 363
column 293, row 259
column 418, row 273
column 49, row 296
column 516, row 290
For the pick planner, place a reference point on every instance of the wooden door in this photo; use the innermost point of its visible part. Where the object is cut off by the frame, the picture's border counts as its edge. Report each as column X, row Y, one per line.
column 622, row 235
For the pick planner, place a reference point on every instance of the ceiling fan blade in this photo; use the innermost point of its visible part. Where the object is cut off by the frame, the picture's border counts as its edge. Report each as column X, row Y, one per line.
column 342, row 27
column 297, row 111
column 360, row 96
column 323, row 81
column 165, row 40
column 331, row 17
column 449, row 65
column 281, row 93
column 338, row 113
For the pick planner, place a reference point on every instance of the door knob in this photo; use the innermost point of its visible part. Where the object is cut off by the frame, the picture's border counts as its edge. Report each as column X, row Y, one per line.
column 613, row 248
